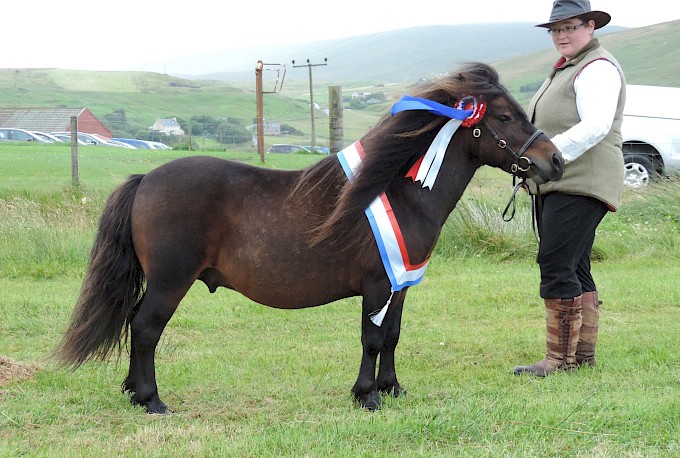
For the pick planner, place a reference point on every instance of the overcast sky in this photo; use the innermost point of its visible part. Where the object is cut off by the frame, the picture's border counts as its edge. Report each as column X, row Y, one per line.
column 129, row 34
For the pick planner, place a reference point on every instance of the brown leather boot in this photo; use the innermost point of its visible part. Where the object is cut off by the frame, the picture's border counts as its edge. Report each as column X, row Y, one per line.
column 563, row 324
column 590, row 312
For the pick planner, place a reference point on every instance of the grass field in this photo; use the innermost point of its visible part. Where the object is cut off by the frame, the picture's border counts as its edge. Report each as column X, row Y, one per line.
column 246, row 380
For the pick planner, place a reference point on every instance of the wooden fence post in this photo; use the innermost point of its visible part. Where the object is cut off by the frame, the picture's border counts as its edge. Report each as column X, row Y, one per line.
column 335, row 124
column 74, row 150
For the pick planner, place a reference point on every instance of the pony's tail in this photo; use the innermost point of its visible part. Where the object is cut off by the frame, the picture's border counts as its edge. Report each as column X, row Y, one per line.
column 113, row 285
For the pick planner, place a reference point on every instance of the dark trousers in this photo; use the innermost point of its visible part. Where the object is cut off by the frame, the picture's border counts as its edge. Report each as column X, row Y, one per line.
column 568, row 224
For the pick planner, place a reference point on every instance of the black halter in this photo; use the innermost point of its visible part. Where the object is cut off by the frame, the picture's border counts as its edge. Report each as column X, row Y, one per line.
column 515, row 169
column 519, row 157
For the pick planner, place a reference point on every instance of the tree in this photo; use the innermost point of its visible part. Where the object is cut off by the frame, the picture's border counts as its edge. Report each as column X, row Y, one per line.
column 116, row 121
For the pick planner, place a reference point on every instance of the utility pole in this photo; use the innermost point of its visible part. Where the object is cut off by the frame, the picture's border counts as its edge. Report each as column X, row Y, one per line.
column 259, row 102
column 311, row 92
column 260, row 109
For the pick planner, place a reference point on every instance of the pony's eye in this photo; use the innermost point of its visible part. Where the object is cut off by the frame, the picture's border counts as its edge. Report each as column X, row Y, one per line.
column 504, row 119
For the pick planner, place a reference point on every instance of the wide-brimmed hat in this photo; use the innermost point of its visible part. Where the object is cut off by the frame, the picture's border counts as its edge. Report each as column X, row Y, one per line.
column 567, row 9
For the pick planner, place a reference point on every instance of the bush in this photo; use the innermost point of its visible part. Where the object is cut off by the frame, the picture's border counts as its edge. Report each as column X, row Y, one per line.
column 647, row 224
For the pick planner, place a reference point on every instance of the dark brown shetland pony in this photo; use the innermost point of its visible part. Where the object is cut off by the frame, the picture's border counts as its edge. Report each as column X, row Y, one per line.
column 288, row 239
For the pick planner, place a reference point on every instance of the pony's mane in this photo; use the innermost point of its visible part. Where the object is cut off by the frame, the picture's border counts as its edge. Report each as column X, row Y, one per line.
column 390, row 148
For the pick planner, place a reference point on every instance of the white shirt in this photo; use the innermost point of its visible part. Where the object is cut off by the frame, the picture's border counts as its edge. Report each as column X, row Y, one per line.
column 597, row 89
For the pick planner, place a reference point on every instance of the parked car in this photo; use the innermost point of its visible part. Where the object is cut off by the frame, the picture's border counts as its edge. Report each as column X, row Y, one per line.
column 47, row 137
column 651, row 133
column 318, row 149
column 91, row 139
column 19, row 135
column 111, row 142
column 66, row 137
column 87, row 139
column 141, row 144
column 284, row 149
column 159, row 145
column 106, row 141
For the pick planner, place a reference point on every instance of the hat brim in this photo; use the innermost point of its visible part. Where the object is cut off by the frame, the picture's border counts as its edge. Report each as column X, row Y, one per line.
column 600, row 17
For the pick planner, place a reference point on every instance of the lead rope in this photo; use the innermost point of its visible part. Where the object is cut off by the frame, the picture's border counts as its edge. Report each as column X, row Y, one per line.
column 536, row 214
column 511, row 203
column 535, row 207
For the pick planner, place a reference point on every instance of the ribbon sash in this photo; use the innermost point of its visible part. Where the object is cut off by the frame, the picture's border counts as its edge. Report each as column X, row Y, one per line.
column 386, row 230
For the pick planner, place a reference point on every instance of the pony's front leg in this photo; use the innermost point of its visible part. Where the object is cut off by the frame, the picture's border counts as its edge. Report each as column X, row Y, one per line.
column 372, row 339
column 387, row 375
column 365, row 390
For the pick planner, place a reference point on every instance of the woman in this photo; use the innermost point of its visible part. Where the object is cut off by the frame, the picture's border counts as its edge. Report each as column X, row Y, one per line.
column 580, row 106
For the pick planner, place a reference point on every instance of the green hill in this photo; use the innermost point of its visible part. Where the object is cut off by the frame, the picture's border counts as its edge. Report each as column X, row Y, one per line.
column 143, row 96
column 649, row 55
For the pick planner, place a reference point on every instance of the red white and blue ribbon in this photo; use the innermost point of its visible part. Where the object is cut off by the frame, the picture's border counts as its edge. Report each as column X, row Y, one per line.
column 387, row 232
column 391, row 244
column 389, row 238
column 467, row 112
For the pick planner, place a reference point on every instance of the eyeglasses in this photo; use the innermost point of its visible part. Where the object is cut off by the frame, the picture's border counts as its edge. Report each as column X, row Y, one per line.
column 567, row 29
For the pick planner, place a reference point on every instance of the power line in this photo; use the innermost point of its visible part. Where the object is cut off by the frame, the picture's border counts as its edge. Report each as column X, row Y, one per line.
column 309, row 65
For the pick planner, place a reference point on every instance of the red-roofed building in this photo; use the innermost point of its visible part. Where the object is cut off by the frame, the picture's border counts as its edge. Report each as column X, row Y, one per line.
column 52, row 120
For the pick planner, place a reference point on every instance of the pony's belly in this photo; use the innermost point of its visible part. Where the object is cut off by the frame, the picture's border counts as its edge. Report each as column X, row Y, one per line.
column 294, row 285
column 294, row 298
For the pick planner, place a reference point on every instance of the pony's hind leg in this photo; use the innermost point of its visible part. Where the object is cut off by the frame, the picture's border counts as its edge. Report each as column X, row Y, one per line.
column 387, row 376
column 155, row 310
column 129, row 384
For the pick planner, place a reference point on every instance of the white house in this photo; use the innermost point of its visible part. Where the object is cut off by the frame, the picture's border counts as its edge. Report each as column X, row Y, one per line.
column 167, row 126
column 272, row 128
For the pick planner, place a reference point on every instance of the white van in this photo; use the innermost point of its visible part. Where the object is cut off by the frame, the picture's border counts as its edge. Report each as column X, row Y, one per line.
column 651, row 133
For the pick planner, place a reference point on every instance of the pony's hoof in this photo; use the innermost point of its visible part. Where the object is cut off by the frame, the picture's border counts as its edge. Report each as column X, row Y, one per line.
column 371, row 406
column 157, row 409
column 152, row 406
column 399, row 391
column 395, row 390
column 370, row 402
